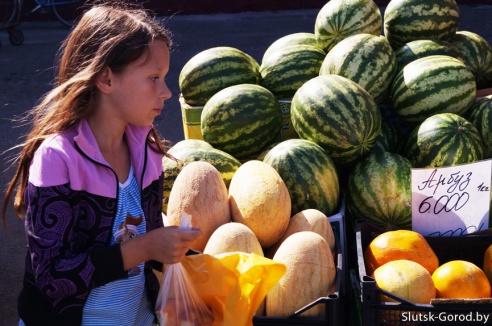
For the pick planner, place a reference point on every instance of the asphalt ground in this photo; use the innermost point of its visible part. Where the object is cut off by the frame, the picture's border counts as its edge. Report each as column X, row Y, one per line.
column 26, row 74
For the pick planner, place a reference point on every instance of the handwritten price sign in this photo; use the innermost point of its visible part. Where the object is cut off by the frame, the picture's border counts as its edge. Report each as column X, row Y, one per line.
column 451, row 200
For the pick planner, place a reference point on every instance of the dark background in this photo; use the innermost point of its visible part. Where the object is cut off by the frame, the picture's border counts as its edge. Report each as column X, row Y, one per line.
column 187, row 7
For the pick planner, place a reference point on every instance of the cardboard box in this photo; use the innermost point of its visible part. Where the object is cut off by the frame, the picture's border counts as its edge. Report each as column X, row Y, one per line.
column 191, row 120
column 287, row 131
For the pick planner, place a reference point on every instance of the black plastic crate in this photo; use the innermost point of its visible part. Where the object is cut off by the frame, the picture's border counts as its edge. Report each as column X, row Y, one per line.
column 335, row 314
column 441, row 312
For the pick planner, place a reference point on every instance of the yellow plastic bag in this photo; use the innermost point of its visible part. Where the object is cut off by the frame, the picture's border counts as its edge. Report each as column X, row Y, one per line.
column 233, row 284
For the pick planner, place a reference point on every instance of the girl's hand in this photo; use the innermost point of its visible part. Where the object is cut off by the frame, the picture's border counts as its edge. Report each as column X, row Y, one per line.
column 167, row 244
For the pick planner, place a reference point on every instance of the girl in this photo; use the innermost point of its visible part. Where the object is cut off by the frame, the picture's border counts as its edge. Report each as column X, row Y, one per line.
column 91, row 163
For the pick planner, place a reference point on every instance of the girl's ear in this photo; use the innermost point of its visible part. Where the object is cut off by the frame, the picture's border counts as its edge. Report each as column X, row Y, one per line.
column 103, row 82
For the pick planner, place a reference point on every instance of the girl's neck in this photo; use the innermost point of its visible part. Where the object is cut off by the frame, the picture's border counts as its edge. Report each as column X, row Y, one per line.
column 110, row 138
column 109, row 133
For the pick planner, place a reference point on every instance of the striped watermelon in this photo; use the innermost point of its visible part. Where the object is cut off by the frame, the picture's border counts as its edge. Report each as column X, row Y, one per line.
column 431, row 85
column 389, row 139
column 337, row 114
column 338, row 19
column 443, row 139
column 477, row 54
column 409, row 20
column 481, row 117
column 309, row 174
column 301, row 38
column 379, row 190
column 366, row 59
column 241, row 120
column 190, row 150
column 417, row 49
column 286, row 69
column 214, row 69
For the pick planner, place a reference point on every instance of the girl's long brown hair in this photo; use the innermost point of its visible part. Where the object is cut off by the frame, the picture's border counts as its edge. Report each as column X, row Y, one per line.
column 109, row 35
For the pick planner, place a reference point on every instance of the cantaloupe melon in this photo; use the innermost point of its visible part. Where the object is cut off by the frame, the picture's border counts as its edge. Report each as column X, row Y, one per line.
column 260, row 199
column 310, row 274
column 199, row 191
column 308, row 220
column 231, row 237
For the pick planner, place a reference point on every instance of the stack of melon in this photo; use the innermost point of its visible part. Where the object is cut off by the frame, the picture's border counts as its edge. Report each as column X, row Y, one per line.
column 254, row 216
column 403, row 263
column 371, row 97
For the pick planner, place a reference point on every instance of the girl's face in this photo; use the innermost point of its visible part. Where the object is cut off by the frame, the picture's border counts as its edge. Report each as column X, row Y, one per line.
column 140, row 90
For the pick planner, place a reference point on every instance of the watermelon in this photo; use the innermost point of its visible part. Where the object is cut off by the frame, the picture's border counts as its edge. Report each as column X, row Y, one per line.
column 338, row 19
column 480, row 116
column 431, row 85
column 444, row 139
column 241, row 120
column 214, row 69
column 190, row 150
column 409, row 20
column 366, row 59
column 309, row 174
column 301, row 38
column 389, row 139
column 337, row 114
column 286, row 69
column 477, row 54
column 379, row 190
column 417, row 49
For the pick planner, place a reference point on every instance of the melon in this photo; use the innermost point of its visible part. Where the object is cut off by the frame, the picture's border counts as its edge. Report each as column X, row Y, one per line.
column 310, row 274
column 259, row 198
column 232, row 237
column 199, row 191
column 308, row 220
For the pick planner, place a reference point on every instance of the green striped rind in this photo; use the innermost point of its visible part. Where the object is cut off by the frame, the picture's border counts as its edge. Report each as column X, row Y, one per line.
column 285, row 70
column 445, row 139
column 309, row 174
column 214, row 69
column 379, row 190
column 432, row 85
column 481, row 118
column 417, row 49
column 366, row 59
column 241, row 120
column 339, row 19
column 409, row 20
column 184, row 153
column 337, row 114
column 301, row 38
column 389, row 139
column 477, row 54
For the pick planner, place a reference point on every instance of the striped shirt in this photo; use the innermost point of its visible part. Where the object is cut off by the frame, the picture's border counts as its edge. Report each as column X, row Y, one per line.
column 123, row 302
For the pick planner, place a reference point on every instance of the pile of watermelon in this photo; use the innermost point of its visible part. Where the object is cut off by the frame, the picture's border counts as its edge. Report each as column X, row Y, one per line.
column 372, row 95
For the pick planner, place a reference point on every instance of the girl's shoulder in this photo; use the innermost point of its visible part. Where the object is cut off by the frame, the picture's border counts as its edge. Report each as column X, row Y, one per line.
column 50, row 162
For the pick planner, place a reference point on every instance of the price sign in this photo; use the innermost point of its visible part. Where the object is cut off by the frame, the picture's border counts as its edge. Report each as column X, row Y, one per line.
column 451, row 200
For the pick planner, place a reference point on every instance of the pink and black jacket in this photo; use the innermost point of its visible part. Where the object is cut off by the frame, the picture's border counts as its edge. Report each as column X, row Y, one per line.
column 71, row 203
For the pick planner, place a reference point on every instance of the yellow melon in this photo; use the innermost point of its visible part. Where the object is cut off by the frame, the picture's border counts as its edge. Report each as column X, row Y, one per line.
column 487, row 263
column 400, row 244
column 199, row 191
column 310, row 274
column 461, row 279
column 308, row 220
column 407, row 279
column 260, row 199
column 231, row 237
